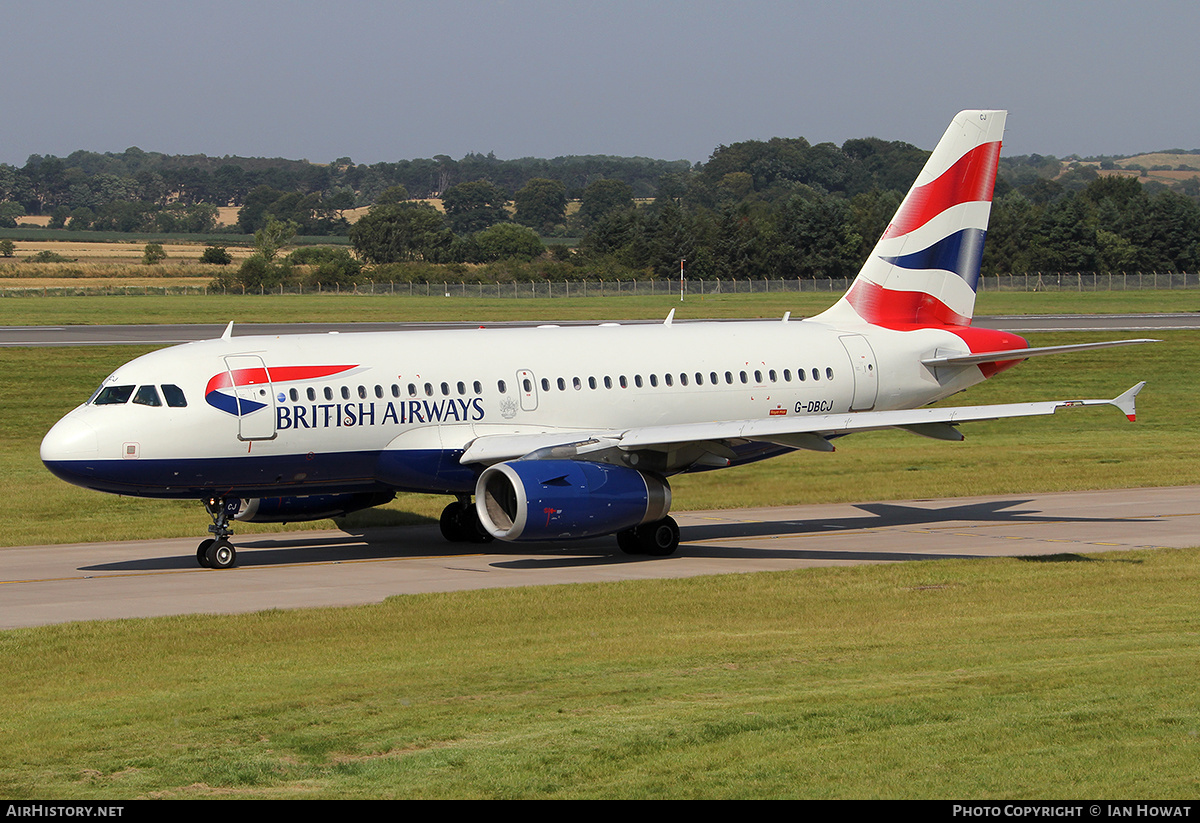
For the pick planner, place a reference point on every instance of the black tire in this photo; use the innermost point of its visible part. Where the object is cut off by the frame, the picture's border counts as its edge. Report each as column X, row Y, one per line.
column 451, row 524
column 202, row 552
column 460, row 524
column 660, row 538
column 627, row 542
column 221, row 554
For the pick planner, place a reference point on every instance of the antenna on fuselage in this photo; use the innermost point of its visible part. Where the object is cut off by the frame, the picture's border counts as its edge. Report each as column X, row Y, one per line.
column 670, row 317
column 228, row 331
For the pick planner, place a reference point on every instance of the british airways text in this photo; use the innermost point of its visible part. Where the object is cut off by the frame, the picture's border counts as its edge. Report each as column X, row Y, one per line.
column 340, row 415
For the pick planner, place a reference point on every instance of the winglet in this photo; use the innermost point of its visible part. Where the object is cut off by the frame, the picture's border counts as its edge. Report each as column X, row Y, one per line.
column 228, row 331
column 670, row 317
column 1126, row 401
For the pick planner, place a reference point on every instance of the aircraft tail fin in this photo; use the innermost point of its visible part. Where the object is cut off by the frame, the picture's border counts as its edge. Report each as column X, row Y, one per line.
column 925, row 268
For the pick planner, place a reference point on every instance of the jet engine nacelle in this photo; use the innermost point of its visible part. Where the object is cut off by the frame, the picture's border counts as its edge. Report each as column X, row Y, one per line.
column 553, row 499
column 308, row 507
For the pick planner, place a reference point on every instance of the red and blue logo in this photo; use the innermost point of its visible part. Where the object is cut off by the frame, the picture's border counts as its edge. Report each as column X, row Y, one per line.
column 222, row 391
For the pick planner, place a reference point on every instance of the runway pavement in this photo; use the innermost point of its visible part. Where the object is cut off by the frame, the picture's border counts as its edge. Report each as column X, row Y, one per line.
column 53, row 584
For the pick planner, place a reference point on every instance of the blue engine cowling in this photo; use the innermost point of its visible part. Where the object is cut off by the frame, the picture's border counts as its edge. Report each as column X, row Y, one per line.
column 554, row 499
column 308, row 507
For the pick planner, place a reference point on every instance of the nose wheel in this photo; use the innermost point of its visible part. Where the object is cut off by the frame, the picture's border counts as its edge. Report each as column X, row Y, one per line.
column 217, row 552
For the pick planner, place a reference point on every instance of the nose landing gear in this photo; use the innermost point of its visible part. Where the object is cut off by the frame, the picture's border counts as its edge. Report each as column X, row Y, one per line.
column 217, row 552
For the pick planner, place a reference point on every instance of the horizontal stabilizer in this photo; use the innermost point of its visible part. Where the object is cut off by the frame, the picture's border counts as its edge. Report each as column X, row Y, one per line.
column 1021, row 354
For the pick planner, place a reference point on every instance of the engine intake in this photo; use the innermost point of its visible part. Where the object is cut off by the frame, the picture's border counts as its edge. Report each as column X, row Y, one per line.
column 553, row 499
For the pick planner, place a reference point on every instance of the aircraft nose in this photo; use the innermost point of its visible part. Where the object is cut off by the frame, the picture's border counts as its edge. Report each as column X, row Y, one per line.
column 70, row 439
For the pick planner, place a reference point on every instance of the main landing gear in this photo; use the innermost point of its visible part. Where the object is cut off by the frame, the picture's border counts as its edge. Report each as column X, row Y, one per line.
column 217, row 552
column 657, row 539
column 460, row 523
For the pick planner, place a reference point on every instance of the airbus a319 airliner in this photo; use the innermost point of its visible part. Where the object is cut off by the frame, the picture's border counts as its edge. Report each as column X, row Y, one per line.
column 563, row 433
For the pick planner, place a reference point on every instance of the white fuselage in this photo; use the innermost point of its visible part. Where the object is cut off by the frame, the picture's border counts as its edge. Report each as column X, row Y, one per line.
column 335, row 403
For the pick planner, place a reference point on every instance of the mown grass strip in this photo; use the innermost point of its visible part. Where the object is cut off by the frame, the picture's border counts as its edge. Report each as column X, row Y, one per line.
column 973, row 679
column 292, row 308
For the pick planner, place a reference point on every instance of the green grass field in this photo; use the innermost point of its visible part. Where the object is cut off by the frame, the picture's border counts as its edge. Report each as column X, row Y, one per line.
column 1066, row 677
column 57, row 311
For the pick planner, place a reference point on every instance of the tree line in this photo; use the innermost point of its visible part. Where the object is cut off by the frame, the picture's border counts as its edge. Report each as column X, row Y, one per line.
column 781, row 209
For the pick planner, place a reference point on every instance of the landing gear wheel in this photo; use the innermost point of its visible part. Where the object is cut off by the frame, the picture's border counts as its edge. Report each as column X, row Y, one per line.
column 627, row 541
column 217, row 552
column 202, row 552
column 460, row 524
column 657, row 539
column 220, row 554
column 660, row 538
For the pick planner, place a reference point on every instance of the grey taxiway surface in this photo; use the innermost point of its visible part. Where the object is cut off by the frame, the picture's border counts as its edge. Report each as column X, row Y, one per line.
column 55, row 584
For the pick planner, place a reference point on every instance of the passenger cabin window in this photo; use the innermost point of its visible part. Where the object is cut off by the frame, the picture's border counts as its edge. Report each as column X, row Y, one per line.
column 147, row 396
column 113, row 395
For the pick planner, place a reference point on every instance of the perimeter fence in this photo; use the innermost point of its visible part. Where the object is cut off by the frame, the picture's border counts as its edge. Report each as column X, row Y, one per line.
column 1030, row 282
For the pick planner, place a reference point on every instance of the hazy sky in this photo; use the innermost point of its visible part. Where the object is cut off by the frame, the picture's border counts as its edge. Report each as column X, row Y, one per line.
column 384, row 81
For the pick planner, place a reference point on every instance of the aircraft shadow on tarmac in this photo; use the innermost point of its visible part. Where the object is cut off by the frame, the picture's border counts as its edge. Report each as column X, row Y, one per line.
column 699, row 540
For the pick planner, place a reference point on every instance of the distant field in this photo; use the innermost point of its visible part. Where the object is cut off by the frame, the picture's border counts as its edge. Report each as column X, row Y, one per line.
column 109, row 252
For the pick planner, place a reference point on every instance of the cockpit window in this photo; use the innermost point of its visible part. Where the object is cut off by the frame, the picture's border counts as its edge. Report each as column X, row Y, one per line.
column 112, row 395
column 147, row 396
column 174, row 396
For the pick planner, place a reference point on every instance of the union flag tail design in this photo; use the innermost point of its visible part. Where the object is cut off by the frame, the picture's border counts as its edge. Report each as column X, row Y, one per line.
column 924, row 270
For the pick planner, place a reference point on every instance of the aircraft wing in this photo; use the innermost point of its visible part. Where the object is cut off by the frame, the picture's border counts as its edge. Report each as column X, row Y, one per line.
column 798, row 432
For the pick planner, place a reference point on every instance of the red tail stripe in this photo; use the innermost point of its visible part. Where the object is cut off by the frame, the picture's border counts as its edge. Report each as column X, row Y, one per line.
column 888, row 307
column 969, row 180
